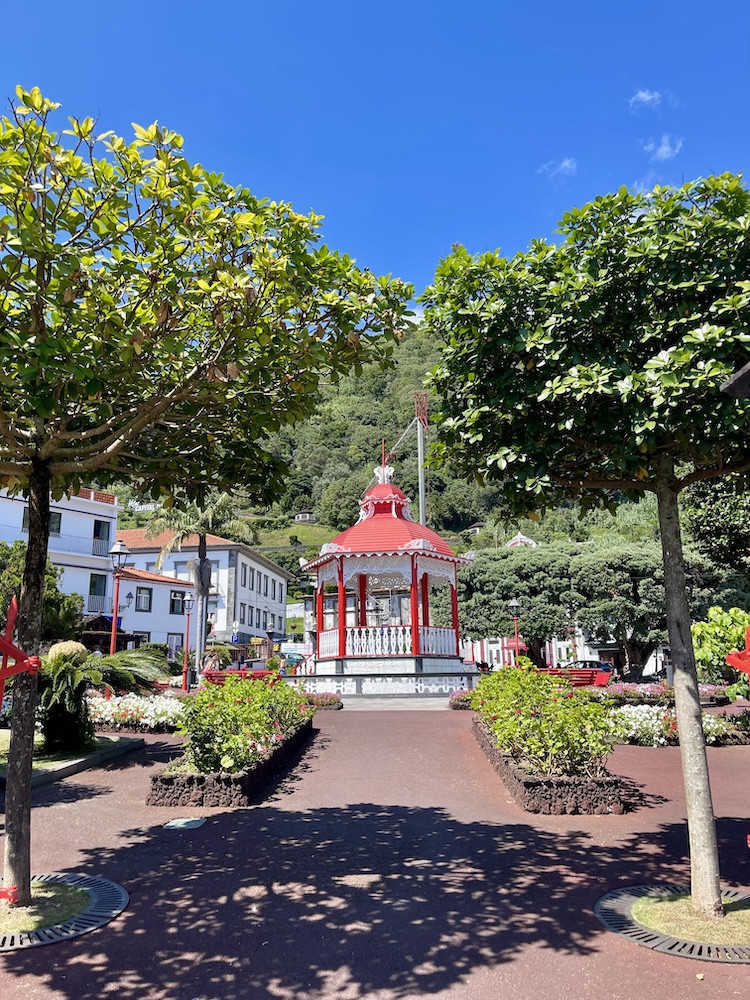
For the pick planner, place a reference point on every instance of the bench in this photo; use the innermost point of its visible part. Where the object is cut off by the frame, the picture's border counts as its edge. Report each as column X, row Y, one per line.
column 581, row 676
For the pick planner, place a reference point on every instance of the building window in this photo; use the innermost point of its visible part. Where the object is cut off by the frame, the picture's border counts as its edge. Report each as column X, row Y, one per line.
column 260, row 583
column 177, row 602
column 243, row 574
column 280, row 622
column 273, row 589
column 146, row 636
column 174, row 642
column 143, row 599
column 243, row 613
column 265, row 621
column 55, row 521
column 272, row 623
column 251, row 579
column 265, row 585
column 97, row 593
column 257, row 617
column 100, row 545
column 281, row 592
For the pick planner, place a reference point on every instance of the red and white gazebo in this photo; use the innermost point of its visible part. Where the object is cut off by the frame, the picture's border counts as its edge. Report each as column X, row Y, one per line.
column 372, row 592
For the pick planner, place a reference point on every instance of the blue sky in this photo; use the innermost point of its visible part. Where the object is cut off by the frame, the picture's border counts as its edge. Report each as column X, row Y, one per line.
column 411, row 125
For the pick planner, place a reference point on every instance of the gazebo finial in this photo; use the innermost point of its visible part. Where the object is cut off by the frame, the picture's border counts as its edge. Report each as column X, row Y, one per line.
column 383, row 473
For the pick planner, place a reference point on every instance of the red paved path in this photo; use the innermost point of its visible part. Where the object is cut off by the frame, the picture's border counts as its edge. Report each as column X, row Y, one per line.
column 389, row 864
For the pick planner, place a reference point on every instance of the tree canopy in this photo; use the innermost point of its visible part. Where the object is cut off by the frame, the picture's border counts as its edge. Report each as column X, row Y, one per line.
column 595, row 365
column 156, row 325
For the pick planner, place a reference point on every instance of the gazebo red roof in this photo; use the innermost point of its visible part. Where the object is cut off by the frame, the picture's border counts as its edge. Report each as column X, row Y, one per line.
column 385, row 526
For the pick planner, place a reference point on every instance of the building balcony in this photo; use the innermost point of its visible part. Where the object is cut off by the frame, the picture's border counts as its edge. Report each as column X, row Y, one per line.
column 58, row 543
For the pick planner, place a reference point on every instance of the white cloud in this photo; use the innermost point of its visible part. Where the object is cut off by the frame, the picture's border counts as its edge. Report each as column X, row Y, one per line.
column 567, row 167
column 666, row 149
column 645, row 99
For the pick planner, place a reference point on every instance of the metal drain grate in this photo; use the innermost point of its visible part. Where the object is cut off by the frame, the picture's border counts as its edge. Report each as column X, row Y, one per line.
column 108, row 900
column 615, row 911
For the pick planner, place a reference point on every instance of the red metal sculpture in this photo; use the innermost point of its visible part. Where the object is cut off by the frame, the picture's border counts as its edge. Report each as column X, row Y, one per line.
column 740, row 659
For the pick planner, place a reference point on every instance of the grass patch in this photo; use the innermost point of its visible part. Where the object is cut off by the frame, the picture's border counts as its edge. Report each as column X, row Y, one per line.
column 672, row 915
column 52, row 903
column 43, row 760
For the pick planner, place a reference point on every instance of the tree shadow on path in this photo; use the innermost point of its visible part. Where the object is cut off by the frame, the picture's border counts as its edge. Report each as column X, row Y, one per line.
column 345, row 902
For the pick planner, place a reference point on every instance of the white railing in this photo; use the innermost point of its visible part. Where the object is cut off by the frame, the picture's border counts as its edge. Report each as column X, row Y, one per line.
column 376, row 640
column 437, row 641
column 329, row 643
column 389, row 640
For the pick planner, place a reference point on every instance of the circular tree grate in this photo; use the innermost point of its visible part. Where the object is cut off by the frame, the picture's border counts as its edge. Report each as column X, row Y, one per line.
column 615, row 911
column 108, row 900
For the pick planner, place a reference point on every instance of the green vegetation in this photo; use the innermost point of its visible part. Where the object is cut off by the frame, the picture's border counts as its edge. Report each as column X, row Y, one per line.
column 232, row 726
column 548, row 727
column 674, row 915
column 51, row 903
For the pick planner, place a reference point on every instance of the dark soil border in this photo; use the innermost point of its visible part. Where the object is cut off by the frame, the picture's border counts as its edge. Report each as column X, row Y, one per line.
column 223, row 789
column 555, row 796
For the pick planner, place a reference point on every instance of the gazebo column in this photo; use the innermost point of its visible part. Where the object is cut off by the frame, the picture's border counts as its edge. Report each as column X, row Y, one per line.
column 425, row 599
column 362, row 614
column 318, row 616
column 454, row 609
column 342, row 609
column 414, row 605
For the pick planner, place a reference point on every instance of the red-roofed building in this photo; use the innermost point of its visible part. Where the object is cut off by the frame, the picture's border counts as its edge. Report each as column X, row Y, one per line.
column 246, row 588
column 372, row 602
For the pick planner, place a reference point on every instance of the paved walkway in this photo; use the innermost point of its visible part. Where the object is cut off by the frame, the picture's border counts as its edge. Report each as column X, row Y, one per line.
column 389, row 864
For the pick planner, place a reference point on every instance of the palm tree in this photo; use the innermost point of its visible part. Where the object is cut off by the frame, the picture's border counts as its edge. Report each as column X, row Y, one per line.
column 216, row 516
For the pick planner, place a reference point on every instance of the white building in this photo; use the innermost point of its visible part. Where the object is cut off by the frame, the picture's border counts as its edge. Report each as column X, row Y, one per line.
column 152, row 606
column 82, row 531
column 246, row 587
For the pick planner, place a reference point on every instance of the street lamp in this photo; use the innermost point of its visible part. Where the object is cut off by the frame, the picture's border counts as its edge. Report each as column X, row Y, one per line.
column 515, row 612
column 119, row 554
column 187, row 607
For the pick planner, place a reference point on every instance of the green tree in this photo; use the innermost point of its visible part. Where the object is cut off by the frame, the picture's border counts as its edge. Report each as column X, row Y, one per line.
column 62, row 614
column 594, row 366
column 156, row 325
column 717, row 515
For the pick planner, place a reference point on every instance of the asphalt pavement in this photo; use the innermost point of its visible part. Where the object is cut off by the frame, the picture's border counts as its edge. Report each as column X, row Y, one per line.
column 389, row 863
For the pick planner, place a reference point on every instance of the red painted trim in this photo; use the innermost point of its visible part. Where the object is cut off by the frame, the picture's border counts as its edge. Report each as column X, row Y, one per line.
column 362, row 616
column 341, row 600
column 414, row 604
column 425, row 601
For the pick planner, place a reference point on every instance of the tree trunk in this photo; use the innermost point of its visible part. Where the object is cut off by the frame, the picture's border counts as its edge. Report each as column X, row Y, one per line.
column 17, row 869
column 535, row 652
column 203, row 586
column 704, row 856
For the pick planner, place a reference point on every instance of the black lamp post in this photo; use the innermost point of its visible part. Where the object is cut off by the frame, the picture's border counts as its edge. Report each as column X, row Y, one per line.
column 119, row 554
column 187, row 607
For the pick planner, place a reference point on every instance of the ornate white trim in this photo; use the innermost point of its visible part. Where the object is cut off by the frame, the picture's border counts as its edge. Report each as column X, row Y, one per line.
column 331, row 548
column 420, row 544
column 436, row 569
column 327, row 571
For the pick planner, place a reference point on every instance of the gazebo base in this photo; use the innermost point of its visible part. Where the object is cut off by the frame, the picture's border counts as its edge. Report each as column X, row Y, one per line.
column 397, row 676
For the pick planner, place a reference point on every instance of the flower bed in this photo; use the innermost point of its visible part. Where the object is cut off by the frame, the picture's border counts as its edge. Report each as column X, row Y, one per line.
column 460, row 700
column 224, row 789
column 554, row 795
column 324, row 700
column 622, row 693
column 136, row 713
column 654, row 725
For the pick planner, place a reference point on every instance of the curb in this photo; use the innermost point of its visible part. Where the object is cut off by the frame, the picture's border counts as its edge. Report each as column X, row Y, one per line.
column 45, row 776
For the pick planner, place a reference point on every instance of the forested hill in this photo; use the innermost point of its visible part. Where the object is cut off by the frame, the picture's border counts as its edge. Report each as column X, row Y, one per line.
column 332, row 455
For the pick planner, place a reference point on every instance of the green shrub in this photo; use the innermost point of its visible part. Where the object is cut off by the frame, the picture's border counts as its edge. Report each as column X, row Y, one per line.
column 232, row 726
column 63, row 709
column 131, row 669
column 547, row 726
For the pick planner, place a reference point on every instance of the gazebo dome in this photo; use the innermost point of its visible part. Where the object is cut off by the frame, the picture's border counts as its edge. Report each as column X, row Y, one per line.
column 385, row 526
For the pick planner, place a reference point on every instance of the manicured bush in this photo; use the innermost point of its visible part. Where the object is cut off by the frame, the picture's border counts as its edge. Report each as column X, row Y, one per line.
column 323, row 699
column 230, row 727
column 460, row 699
column 64, row 678
column 543, row 723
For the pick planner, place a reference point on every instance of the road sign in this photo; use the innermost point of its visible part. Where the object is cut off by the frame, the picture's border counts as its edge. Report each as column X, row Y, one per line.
column 235, row 638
